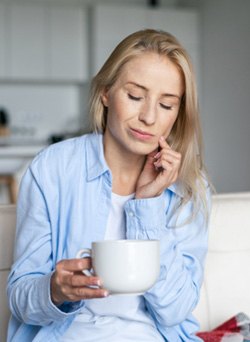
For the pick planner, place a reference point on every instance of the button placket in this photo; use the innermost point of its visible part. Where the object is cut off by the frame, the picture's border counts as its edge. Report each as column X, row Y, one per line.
column 131, row 213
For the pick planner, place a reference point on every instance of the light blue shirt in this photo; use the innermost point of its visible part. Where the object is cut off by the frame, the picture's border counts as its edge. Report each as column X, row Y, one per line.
column 63, row 206
column 126, row 313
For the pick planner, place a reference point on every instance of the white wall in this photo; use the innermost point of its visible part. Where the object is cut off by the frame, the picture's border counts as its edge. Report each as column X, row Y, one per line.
column 226, row 92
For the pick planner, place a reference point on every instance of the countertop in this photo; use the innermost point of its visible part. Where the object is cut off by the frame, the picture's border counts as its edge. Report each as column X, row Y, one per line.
column 15, row 154
column 20, row 151
column 20, row 147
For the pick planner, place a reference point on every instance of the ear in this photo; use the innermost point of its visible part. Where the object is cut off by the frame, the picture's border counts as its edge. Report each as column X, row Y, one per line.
column 104, row 98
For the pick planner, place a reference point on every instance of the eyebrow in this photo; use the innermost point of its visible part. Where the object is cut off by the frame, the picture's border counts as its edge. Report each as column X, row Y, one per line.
column 144, row 88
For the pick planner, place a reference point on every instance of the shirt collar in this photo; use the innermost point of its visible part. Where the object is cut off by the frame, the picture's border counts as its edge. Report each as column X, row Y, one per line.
column 96, row 164
column 177, row 188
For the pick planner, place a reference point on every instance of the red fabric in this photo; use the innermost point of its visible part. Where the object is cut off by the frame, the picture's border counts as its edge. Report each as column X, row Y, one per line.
column 238, row 326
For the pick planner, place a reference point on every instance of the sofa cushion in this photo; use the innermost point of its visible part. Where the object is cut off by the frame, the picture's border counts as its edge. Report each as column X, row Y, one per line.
column 225, row 291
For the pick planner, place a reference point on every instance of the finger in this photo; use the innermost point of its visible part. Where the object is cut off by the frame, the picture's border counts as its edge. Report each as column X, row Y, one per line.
column 161, row 154
column 73, row 265
column 168, row 152
column 70, row 287
column 168, row 163
column 89, row 293
column 170, row 158
column 163, row 143
column 168, row 174
column 82, row 280
column 82, row 292
column 164, row 165
column 165, row 148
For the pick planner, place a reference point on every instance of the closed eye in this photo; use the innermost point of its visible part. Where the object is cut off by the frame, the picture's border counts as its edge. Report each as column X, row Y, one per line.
column 166, row 106
column 135, row 98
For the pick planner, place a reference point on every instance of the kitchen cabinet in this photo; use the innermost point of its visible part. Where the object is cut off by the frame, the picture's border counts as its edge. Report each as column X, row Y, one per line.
column 2, row 41
column 112, row 23
column 27, row 41
column 69, row 43
column 45, row 42
column 183, row 23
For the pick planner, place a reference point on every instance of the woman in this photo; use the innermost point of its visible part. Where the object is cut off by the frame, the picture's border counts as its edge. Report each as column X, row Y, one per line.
column 139, row 176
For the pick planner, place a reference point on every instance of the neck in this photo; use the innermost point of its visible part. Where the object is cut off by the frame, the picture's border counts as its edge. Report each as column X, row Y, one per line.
column 125, row 167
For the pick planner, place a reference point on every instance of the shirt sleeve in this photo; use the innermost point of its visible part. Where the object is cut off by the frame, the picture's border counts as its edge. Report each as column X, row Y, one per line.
column 28, row 285
column 183, row 243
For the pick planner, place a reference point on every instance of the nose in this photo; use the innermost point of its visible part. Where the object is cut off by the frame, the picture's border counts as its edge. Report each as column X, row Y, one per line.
column 148, row 113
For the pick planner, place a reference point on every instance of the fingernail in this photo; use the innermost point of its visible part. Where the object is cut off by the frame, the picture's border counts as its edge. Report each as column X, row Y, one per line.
column 105, row 294
column 162, row 138
column 98, row 283
column 157, row 155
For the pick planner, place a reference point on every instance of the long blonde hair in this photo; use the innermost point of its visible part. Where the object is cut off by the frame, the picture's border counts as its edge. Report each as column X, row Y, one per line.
column 185, row 136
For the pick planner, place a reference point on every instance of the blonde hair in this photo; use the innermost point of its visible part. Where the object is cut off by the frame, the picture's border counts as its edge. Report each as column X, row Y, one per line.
column 185, row 136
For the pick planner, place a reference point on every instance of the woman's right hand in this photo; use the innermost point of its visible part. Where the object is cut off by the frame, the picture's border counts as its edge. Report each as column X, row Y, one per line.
column 68, row 283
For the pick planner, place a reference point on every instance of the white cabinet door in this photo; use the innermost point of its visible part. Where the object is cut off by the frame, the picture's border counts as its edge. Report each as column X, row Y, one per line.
column 180, row 22
column 184, row 24
column 110, row 25
column 2, row 42
column 69, row 43
column 46, row 42
column 27, row 41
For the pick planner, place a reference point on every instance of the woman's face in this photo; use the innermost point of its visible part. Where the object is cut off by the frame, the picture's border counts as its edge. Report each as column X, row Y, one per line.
column 143, row 103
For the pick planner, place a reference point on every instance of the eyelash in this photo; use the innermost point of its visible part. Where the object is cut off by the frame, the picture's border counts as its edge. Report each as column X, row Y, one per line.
column 134, row 98
column 166, row 107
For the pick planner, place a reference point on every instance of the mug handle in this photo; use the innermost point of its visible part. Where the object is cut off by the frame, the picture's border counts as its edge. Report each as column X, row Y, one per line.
column 83, row 253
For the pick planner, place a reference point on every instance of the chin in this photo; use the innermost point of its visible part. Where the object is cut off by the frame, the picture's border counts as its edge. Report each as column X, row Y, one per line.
column 144, row 151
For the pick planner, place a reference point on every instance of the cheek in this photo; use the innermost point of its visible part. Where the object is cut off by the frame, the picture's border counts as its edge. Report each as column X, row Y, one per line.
column 121, row 111
column 167, row 124
column 115, row 116
column 113, row 112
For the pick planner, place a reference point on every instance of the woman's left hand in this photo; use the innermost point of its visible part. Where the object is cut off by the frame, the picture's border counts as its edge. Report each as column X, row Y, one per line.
column 161, row 169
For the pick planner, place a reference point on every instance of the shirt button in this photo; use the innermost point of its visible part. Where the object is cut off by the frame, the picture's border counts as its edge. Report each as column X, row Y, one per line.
column 131, row 214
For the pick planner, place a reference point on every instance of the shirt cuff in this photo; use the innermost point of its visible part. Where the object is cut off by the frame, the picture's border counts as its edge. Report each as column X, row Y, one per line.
column 146, row 217
column 50, row 309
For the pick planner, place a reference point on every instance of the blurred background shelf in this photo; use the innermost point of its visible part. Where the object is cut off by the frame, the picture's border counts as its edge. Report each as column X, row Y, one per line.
column 13, row 161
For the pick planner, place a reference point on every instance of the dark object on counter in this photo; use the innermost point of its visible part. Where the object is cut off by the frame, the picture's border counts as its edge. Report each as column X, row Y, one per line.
column 54, row 138
column 4, row 117
column 153, row 3
column 4, row 122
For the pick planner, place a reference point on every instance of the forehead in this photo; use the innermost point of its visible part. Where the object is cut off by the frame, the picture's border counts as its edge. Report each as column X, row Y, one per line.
column 151, row 69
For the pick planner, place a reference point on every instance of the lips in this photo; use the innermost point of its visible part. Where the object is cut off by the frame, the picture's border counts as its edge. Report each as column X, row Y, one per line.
column 140, row 134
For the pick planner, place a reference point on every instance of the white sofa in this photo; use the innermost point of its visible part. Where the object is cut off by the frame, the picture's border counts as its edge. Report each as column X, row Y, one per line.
column 226, row 289
column 226, row 285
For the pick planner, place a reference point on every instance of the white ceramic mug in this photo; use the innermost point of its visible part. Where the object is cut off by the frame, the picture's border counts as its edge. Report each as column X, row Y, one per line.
column 125, row 266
